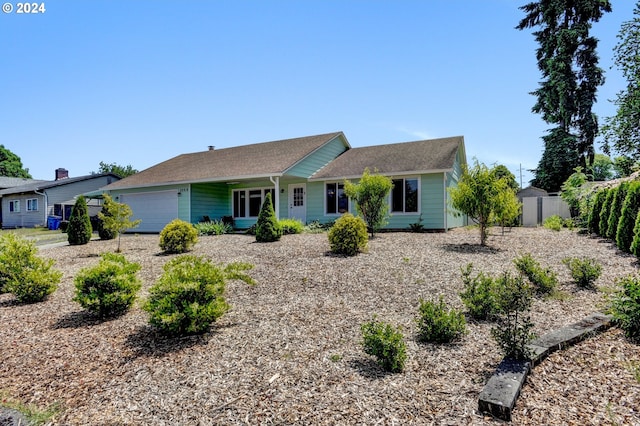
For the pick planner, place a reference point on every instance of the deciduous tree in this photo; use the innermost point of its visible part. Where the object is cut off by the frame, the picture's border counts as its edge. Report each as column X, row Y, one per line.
column 11, row 165
column 371, row 195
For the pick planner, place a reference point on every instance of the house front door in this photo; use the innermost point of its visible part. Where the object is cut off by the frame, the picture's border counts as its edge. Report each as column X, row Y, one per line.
column 298, row 202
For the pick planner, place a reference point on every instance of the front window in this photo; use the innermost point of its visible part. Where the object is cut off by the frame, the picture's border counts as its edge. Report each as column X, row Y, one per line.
column 14, row 206
column 248, row 202
column 32, row 205
column 336, row 200
column 404, row 196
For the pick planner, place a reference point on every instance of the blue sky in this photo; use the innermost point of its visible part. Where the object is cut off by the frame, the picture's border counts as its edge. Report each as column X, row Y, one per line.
column 139, row 82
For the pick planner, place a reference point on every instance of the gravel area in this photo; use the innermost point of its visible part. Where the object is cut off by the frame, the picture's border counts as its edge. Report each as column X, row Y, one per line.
column 289, row 350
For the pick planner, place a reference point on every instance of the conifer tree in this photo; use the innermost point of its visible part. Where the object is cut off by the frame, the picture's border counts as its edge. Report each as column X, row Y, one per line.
column 268, row 228
column 79, row 229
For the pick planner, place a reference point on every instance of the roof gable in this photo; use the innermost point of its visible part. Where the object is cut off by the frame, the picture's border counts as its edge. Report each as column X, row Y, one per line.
column 246, row 161
column 427, row 156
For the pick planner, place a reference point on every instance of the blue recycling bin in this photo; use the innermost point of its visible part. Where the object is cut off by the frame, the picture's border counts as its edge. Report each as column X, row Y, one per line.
column 53, row 223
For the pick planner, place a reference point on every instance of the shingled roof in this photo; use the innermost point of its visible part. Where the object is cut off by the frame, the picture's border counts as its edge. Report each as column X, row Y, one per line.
column 242, row 162
column 39, row 185
column 427, row 156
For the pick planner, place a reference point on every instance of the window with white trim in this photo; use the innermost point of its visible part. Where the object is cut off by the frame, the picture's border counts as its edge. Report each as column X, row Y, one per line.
column 14, row 206
column 405, row 195
column 248, row 202
column 336, row 201
column 32, row 205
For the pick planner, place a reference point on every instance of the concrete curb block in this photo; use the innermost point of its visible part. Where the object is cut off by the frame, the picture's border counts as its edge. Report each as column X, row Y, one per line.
column 503, row 388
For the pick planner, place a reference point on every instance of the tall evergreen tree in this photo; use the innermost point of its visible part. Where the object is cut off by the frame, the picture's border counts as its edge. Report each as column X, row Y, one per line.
column 79, row 229
column 622, row 132
column 568, row 61
column 11, row 165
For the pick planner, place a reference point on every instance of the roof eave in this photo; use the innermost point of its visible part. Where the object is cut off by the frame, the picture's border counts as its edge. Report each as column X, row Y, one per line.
column 390, row 174
column 188, row 182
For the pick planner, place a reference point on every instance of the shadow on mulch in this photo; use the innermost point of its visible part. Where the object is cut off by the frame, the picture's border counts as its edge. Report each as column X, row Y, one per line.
column 470, row 248
column 9, row 302
column 369, row 369
column 78, row 319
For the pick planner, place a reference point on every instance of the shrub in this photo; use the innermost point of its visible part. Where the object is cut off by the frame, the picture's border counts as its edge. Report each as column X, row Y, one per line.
column 554, row 223
column 605, row 212
column 189, row 296
column 385, row 343
column 438, row 324
column 479, row 295
column 178, row 236
column 619, row 195
column 593, row 221
column 109, row 288
column 315, row 227
column 630, row 207
column 370, row 196
column 584, row 271
column 513, row 330
column 544, row 281
column 216, row 227
column 635, row 244
column 28, row 277
column 348, row 235
column 79, row 228
column 104, row 232
column 115, row 218
column 418, row 226
column 291, row 226
column 625, row 307
column 267, row 227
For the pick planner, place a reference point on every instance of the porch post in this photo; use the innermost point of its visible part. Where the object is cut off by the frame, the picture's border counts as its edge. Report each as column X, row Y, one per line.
column 276, row 198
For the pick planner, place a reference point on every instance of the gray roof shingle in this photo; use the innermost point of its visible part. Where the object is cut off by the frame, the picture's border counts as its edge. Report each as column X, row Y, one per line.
column 397, row 158
column 259, row 160
column 38, row 185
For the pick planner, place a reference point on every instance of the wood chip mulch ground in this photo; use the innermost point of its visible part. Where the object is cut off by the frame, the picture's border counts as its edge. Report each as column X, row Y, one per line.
column 289, row 350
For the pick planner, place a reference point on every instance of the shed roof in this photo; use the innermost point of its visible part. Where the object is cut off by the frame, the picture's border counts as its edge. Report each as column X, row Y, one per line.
column 427, row 156
column 256, row 160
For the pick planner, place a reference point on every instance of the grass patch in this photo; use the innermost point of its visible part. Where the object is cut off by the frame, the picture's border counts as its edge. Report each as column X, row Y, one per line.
column 35, row 415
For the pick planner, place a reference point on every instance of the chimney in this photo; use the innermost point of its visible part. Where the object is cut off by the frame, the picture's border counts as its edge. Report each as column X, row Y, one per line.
column 211, row 147
column 62, row 173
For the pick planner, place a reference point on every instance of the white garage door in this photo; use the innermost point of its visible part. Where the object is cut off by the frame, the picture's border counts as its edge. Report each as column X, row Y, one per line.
column 154, row 209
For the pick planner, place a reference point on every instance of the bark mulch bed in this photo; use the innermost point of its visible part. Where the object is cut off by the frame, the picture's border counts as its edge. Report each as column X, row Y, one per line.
column 289, row 350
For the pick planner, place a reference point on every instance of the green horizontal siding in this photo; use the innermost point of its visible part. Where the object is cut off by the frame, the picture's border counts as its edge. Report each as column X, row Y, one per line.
column 210, row 199
column 320, row 158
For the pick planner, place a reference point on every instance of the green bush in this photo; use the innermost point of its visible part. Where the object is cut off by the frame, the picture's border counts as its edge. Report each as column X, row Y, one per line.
column 291, row 226
column 635, row 244
column 554, row 223
column 544, row 281
column 28, row 277
column 479, row 295
column 619, row 195
column 513, row 330
column 79, row 229
column 315, row 227
column 178, row 236
column 268, row 228
column 216, row 227
column 593, row 222
column 348, row 235
column 385, row 343
column 109, row 288
column 630, row 207
column 584, row 271
column 605, row 212
column 625, row 307
column 189, row 296
column 104, row 232
column 438, row 324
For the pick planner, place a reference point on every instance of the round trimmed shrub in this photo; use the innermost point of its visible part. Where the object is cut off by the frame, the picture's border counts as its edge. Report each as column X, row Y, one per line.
column 348, row 235
column 189, row 296
column 28, row 277
column 109, row 288
column 178, row 236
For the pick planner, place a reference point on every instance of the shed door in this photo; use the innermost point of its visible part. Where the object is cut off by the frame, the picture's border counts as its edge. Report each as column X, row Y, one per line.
column 154, row 209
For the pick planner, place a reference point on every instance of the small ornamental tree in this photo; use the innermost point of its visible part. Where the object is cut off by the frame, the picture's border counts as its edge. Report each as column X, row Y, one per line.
column 572, row 190
column 79, row 229
column 482, row 195
column 370, row 195
column 268, row 229
column 115, row 218
column 630, row 207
